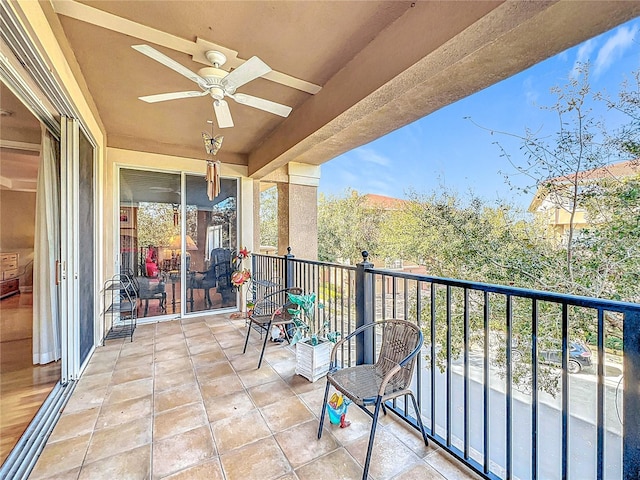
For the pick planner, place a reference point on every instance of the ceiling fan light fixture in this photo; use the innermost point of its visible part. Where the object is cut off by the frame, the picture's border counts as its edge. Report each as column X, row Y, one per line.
column 217, row 93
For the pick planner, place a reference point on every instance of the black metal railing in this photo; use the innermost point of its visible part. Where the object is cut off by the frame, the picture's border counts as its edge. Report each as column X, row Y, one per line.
column 493, row 384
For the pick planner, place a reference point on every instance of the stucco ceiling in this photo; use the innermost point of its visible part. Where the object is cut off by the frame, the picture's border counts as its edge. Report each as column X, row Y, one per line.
column 379, row 65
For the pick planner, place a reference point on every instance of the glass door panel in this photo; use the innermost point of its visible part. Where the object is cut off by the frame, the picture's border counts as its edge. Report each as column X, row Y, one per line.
column 211, row 240
column 150, row 240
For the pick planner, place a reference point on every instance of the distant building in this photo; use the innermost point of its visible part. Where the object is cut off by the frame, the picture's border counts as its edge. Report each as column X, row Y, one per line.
column 553, row 201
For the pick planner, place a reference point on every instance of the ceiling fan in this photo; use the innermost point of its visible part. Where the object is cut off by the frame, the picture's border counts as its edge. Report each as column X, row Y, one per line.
column 218, row 83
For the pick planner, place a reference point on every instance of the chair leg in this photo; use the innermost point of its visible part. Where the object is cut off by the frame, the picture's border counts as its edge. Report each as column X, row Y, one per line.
column 324, row 410
column 374, row 424
column 419, row 418
column 246, row 341
column 264, row 345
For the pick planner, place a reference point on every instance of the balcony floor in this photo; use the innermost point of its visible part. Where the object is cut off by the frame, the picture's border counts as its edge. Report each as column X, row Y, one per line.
column 182, row 402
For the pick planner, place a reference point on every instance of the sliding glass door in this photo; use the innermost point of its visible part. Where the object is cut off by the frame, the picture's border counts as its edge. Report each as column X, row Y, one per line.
column 212, row 239
column 178, row 247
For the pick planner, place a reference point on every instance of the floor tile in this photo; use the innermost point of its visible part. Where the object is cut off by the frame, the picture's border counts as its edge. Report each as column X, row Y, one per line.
column 219, row 386
column 207, row 359
column 176, row 397
column 411, row 438
column 61, row 456
column 134, row 361
column 301, row 445
column 258, row 376
column 91, row 382
column 389, row 456
column 179, row 420
column 130, row 390
column 261, row 460
column 420, row 471
column 172, row 353
column 213, row 370
column 86, row 399
column 75, row 424
column 113, row 414
column 170, row 455
column 114, row 440
column 131, row 465
column 219, row 408
column 173, row 380
column 135, row 350
column 268, row 393
column 240, row 430
column 337, row 465
column 138, row 372
column 449, row 468
column 66, row 475
column 286, row 413
column 205, row 471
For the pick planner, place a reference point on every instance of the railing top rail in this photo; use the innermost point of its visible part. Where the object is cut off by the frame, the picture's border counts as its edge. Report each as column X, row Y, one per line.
column 575, row 300
column 310, row 262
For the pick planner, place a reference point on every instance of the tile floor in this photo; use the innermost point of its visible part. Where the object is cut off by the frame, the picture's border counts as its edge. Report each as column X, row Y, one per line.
column 182, row 402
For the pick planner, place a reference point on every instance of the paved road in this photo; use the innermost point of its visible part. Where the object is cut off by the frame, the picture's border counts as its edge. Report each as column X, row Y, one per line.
column 582, row 430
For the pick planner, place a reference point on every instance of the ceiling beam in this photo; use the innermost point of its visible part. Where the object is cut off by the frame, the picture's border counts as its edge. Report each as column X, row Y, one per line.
column 506, row 39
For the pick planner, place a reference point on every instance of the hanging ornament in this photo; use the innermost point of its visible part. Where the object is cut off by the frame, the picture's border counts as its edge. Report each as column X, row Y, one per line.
column 212, row 145
column 213, row 179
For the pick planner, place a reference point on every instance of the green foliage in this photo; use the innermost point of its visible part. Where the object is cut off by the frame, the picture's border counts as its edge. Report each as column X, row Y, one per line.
column 156, row 224
column 306, row 327
column 269, row 217
column 346, row 227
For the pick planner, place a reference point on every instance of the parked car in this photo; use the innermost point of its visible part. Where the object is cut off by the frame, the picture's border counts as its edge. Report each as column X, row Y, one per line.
column 551, row 352
column 579, row 356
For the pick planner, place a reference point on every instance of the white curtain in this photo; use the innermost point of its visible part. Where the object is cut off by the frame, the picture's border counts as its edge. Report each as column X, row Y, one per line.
column 46, row 324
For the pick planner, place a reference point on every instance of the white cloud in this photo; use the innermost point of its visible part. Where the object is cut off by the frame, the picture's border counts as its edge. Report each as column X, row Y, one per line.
column 613, row 48
column 368, row 155
column 584, row 52
column 530, row 93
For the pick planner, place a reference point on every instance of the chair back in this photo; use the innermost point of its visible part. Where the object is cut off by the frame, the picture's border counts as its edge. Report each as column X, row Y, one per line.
column 400, row 339
column 274, row 301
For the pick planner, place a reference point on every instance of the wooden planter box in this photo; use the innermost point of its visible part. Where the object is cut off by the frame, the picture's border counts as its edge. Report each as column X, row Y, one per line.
column 312, row 362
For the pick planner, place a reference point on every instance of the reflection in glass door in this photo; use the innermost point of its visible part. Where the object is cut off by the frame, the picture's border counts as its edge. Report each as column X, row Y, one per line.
column 171, row 265
column 211, row 240
column 150, row 240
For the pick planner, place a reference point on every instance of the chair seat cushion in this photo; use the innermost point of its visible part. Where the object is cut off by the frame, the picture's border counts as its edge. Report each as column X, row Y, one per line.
column 361, row 383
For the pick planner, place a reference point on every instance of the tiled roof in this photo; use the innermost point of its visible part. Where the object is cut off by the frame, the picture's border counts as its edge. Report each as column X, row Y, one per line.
column 381, row 201
column 615, row 170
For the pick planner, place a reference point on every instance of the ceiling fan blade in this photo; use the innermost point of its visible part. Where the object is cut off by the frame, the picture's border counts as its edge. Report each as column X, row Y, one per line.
column 249, row 70
column 262, row 104
column 161, row 97
column 169, row 62
column 223, row 114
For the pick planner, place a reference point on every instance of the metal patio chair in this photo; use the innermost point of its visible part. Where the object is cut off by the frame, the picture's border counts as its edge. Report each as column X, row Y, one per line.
column 388, row 378
column 269, row 311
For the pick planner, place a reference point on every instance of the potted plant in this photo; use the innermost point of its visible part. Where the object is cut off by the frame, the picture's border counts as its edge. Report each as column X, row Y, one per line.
column 313, row 339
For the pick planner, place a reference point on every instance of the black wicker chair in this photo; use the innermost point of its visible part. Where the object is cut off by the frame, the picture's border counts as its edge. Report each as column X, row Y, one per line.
column 272, row 309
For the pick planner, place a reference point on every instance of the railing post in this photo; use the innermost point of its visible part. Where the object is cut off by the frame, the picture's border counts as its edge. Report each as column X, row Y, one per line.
column 631, row 397
column 288, row 269
column 364, row 310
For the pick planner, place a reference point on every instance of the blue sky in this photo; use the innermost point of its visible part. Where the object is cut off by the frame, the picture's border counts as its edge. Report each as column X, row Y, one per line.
column 446, row 149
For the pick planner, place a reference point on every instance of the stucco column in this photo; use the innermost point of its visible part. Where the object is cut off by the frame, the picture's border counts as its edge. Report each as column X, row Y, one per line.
column 298, row 211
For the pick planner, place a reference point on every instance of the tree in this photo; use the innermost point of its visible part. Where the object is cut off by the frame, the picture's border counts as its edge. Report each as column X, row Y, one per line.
column 346, row 227
column 269, row 217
